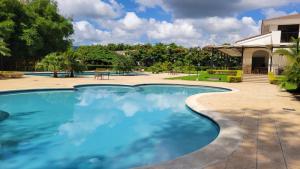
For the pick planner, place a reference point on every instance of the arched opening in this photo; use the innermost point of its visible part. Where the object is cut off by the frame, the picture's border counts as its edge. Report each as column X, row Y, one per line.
column 260, row 62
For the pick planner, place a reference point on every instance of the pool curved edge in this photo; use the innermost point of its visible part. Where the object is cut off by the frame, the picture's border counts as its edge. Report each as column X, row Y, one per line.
column 218, row 150
column 223, row 145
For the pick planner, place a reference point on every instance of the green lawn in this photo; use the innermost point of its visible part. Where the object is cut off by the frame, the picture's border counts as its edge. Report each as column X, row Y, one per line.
column 290, row 87
column 287, row 86
column 203, row 76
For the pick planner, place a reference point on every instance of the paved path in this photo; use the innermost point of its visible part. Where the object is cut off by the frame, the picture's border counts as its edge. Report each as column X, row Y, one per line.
column 272, row 134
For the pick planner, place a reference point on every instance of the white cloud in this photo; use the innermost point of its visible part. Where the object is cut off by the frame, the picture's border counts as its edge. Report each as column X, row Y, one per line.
column 273, row 13
column 201, row 32
column 85, row 31
column 195, row 23
column 132, row 21
column 90, row 8
column 181, row 32
column 186, row 32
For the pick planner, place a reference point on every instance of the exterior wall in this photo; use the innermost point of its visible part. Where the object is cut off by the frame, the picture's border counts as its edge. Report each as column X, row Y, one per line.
column 276, row 38
column 273, row 38
column 270, row 36
column 279, row 62
column 247, row 58
column 260, row 40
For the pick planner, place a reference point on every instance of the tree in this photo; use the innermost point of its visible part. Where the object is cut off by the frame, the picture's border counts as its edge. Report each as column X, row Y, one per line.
column 33, row 29
column 292, row 72
column 123, row 64
column 4, row 51
column 72, row 63
column 97, row 54
column 52, row 62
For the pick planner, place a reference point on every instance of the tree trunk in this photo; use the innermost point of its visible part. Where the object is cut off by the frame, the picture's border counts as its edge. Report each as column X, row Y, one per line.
column 71, row 73
column 55, row 74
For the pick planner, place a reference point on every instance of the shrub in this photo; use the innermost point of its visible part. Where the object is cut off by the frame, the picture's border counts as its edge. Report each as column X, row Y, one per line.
column 292, row 74
column 238, row 77
column 5, row 75
column 156, row 68
column 272, row 78
column 222, row 72
column 234, row 76
column 234, row 79
column 123, row 64
column 166, row 66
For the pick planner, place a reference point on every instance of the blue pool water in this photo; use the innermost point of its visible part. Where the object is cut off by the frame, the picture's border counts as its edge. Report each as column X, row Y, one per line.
column 103, row 127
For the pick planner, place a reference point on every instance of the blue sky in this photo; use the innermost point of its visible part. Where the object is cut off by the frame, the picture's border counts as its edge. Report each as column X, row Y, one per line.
column 186, row 22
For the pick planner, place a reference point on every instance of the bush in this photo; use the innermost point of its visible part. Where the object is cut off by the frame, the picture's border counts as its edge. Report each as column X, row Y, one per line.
column 234, row 76
column 123, row 64
column 5, row 75
column 272, row 78
column 238, row 77
column 292, row 74
column 166, row 66
column 234, row 79
column 223, row 72
column 156, row 68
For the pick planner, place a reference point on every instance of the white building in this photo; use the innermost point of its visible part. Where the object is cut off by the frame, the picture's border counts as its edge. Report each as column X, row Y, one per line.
column 258, row 52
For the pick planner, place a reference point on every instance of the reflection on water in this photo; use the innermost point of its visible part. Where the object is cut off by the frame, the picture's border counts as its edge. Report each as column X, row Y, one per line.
column 101, row 127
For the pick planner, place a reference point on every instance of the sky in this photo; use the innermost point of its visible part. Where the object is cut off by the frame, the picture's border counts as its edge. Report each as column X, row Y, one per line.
column 189, row 23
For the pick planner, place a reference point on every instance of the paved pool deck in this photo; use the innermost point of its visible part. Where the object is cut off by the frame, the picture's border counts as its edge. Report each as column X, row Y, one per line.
column 267, row 119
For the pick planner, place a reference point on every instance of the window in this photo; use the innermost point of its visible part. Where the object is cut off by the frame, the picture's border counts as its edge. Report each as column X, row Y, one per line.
column 288, row 31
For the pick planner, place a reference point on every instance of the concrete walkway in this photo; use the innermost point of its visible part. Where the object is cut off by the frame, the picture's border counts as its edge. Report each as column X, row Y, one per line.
column 270, row 117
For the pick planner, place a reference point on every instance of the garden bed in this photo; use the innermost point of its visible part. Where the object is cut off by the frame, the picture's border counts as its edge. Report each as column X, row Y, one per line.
column 8, row 74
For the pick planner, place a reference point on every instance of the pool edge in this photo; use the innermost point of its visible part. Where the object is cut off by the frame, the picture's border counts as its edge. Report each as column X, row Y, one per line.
column 223, row 145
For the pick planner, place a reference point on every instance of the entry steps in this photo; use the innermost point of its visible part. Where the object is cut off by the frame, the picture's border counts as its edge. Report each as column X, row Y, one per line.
column 256, row 78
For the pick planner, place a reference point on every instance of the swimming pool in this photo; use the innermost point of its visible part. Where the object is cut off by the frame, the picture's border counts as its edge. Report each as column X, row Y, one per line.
column 86, row 73
column 109, row 127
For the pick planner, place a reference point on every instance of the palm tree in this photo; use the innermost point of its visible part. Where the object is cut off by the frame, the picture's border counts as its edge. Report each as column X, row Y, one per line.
column 72, row 63
column 293, row 53
column 292, row 72
column 52, row 62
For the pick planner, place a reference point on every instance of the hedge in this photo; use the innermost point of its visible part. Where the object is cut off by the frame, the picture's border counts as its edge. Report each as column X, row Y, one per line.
column 238, row 77
column 6, row 75
column 223, row 72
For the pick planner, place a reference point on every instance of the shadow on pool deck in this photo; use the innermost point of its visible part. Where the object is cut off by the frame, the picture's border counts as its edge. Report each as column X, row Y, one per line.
column 272, row 140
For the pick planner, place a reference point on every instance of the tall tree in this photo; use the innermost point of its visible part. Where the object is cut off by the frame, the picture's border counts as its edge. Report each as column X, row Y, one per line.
column 33, row 29
column 4, row 51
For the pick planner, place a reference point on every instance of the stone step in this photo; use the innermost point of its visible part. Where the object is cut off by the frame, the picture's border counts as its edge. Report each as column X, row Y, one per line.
column 255, row 78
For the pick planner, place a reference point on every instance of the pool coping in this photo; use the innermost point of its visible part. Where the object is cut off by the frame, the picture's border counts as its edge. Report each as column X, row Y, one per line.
column 219, row 149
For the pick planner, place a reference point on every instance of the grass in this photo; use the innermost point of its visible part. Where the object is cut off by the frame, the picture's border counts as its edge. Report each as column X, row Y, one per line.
column 287, row 86
column 203, row 76
column 290, row 87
